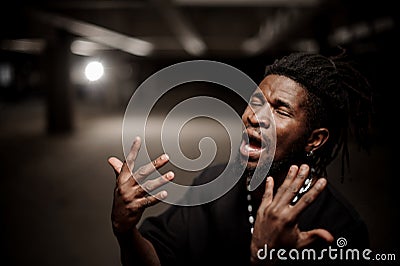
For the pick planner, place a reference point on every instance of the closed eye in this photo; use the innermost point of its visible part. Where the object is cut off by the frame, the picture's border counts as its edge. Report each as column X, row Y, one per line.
column 283, row 108
column 283, row 113
column 257, row 99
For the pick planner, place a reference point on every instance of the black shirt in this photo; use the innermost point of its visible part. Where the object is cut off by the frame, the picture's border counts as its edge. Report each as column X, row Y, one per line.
column 218, row 233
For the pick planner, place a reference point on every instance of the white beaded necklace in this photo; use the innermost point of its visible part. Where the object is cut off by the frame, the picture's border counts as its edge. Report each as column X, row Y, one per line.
column 250, row 206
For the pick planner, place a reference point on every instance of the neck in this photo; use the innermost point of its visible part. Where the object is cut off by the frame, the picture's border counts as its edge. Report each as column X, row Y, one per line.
column 258, row 193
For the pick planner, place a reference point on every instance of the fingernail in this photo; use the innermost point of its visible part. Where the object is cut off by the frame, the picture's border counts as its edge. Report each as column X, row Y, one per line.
column 163, row 194
column 170, row 175
column 293, row 168
column 304, row 168
column 320, row 183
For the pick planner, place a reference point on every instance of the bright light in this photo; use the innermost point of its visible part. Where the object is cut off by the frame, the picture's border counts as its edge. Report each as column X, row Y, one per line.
column 94, row 71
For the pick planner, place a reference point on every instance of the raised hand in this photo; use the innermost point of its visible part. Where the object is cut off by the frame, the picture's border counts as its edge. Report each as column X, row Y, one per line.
column 131, row 195
column 277, row 220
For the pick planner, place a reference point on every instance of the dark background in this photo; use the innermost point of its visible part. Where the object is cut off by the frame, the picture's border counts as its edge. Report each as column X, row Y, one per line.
column 57, row 129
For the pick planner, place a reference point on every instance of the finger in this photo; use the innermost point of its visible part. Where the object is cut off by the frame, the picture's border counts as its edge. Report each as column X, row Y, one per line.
column 293, row 188
column 125, row 177
column 309, row 196
column 149, row 168
column 116, row 164
column 268, row 194
column 151, row 185
column 140, row 190
column 133, row 153
column 148, row 201
column 286, row 183
column 129, row 164
column 308, row 237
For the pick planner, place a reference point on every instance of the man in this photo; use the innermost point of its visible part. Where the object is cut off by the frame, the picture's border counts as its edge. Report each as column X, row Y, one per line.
column 314, row 101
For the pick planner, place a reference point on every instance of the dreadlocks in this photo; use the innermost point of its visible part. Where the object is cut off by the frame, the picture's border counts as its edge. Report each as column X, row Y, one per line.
column 339, row 98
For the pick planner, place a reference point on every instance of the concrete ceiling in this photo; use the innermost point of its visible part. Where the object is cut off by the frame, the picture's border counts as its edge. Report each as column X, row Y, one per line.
column 197, row 28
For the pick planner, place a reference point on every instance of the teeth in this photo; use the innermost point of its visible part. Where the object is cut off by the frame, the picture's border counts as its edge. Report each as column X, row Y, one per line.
column 248, row 148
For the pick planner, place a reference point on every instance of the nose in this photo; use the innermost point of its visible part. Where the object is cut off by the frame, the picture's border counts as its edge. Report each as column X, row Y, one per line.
column 259, row 116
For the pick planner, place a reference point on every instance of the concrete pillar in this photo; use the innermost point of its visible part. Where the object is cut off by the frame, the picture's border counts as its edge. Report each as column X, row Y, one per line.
column 59, row 91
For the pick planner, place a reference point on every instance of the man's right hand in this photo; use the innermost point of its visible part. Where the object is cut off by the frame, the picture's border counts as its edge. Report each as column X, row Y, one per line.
column 131, row 194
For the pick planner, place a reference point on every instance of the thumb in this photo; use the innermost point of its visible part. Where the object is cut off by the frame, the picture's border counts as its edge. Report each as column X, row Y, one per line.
column 308, row 237
column 116, row 164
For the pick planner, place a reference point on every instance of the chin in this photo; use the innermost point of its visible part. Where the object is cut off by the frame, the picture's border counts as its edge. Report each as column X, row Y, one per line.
column 251, row 166
column 244, row 161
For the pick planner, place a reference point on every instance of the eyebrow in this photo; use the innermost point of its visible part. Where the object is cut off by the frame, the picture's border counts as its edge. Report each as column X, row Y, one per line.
column 276, row 102
column 279, row 102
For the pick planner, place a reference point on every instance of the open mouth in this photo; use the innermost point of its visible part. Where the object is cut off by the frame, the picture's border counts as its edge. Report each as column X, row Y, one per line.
column 252, row 145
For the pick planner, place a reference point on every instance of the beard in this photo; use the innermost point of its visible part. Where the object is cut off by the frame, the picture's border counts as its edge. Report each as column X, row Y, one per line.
column 277, row 169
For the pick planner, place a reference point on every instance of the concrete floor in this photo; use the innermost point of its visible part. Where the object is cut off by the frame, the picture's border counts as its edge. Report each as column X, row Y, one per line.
column 56, row 191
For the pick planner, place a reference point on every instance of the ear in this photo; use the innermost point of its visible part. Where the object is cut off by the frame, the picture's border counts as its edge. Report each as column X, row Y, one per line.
column 317, row 139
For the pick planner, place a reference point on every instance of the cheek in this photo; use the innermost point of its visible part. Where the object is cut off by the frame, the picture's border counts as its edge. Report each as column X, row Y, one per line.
column 285, row 139
column 281, row 144
column 289, row 138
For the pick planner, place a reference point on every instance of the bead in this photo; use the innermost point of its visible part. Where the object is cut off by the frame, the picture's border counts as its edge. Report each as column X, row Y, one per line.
column 295, row 199
column 250, row 209
column 251, row 219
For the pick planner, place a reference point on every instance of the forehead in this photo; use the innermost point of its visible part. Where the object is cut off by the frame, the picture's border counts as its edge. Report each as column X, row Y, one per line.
column 283, row 88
